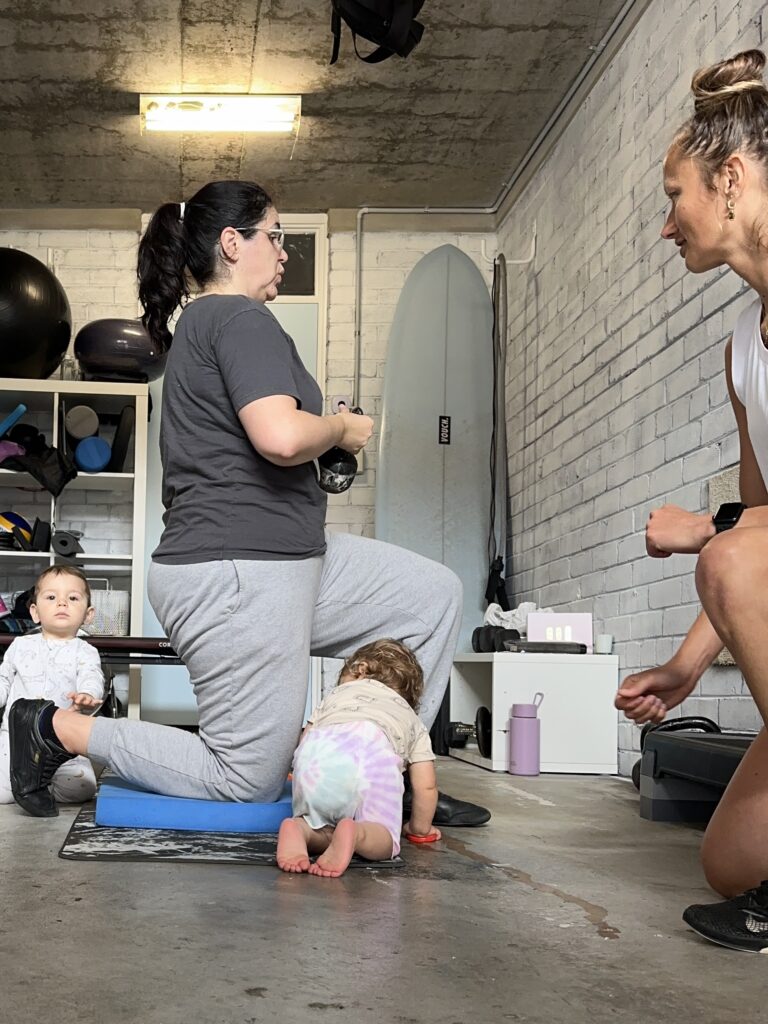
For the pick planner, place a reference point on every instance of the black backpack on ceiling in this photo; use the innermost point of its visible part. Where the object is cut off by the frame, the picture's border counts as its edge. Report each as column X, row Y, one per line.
column 388, row 23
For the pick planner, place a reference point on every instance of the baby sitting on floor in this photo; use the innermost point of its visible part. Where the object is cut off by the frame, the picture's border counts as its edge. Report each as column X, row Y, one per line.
column 57, row 665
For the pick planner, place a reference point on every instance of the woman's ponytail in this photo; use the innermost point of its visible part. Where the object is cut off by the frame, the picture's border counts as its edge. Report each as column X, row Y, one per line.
column 161, row 272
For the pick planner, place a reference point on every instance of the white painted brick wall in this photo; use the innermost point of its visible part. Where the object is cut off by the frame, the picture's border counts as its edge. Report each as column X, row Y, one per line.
column 616, row 394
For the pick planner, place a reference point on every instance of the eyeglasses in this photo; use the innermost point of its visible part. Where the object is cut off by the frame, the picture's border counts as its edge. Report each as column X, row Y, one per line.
column 275, row 235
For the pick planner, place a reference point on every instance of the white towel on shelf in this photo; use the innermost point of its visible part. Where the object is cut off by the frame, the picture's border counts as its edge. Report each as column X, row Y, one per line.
column 517, row 618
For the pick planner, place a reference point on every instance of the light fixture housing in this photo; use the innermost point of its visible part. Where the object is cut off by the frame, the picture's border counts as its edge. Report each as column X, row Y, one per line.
column 227, row 112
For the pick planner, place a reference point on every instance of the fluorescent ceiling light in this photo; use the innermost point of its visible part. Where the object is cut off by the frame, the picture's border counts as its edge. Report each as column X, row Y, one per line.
column 229, row 112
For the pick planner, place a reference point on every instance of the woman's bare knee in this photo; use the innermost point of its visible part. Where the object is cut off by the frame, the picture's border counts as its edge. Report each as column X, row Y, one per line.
column 734, row 853
column 722, row 563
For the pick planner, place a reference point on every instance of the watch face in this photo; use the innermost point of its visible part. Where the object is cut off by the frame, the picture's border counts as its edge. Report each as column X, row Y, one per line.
column 730, row 511
column 728, row 515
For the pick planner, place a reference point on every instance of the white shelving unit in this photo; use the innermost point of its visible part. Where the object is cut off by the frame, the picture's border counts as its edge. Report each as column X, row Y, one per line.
column 579, row 724
column 44, row 399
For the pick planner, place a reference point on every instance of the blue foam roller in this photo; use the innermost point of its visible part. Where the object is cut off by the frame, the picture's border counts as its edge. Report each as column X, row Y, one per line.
column 92, row 454
column 12, row 418
column 121, row 805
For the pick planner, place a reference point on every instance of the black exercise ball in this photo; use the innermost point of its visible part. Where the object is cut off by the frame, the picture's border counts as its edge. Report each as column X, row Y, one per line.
column 35, row 321
column 115, row 349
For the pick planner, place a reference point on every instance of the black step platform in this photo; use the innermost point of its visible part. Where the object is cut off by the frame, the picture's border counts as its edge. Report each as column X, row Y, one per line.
column 683, row 774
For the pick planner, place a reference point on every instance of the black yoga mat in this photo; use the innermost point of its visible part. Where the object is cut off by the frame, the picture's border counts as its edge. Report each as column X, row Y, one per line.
column 88, row 841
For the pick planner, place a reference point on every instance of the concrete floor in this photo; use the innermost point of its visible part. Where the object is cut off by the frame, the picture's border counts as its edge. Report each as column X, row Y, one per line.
column 566, row 908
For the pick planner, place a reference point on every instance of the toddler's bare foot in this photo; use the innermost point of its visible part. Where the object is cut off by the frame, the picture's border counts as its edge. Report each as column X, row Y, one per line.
column 292, row 847
column 334, row 861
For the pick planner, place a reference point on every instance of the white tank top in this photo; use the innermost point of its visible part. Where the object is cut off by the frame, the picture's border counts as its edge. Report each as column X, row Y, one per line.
column 749, row 372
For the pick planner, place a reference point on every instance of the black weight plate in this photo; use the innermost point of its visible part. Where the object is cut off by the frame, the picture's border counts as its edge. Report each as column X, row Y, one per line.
column 484, row 731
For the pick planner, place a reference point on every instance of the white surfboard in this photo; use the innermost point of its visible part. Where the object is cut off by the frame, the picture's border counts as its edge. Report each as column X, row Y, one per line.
column 433, row 485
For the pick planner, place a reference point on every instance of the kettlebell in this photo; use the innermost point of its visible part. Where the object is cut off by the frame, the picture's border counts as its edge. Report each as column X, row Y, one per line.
column 337, row 468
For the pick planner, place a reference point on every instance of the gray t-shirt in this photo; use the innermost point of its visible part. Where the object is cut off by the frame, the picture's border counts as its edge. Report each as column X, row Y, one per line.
column 222, row 499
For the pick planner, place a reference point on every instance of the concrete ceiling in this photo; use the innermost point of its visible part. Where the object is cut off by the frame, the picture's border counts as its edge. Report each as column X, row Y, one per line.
column 445, row 126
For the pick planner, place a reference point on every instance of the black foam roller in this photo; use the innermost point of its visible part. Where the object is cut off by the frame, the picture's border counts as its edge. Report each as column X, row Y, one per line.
column 41, row 536
column 122, row 439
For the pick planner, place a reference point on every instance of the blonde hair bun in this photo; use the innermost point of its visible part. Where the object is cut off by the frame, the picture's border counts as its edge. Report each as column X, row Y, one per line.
column 720, row 83
column 730, row 114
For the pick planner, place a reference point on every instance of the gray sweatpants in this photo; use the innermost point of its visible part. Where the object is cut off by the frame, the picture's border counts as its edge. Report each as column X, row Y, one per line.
column 245, row 630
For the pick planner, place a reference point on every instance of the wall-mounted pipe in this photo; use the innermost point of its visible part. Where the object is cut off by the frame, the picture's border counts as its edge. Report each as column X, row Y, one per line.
column 520, row 263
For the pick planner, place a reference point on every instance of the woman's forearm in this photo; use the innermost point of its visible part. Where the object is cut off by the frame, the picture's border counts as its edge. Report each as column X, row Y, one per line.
column 699, row 648
column 672, row 530
column 286, row 435
column 304, row 437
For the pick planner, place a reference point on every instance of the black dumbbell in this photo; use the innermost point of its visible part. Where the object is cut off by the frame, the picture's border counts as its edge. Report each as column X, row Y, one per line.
column 337, row 467
column 490, row 639
column 457, row 733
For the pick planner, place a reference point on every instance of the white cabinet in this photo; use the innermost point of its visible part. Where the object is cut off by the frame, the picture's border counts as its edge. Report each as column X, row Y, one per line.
column 108, row 508
column 579, row 724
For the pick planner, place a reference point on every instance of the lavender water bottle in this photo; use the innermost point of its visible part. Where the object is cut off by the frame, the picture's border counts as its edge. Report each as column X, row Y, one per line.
column 525, row 738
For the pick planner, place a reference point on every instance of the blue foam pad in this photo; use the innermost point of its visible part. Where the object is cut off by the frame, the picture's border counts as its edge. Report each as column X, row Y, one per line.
column 119, row 804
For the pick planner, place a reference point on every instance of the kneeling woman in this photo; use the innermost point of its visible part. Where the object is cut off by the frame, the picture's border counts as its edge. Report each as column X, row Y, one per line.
column 245, row 581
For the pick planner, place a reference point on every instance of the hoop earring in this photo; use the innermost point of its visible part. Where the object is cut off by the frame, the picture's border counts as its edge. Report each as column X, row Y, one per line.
column 729, row 206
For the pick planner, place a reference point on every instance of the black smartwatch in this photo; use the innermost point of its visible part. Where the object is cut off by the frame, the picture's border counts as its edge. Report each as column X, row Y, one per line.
column 728, row 515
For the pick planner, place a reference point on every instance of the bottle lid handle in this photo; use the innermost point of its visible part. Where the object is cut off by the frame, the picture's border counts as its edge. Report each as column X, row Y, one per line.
column 538, row 698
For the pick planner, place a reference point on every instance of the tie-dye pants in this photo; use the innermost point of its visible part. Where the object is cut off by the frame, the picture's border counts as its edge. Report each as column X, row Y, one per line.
column 349, row 771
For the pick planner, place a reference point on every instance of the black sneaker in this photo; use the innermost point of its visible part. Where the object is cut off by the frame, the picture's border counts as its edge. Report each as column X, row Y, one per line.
column 451, row 812
column 33, row 760
column 740, row 923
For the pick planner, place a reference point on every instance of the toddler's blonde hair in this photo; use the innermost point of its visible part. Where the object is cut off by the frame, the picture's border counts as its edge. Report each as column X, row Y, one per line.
column 393, row 664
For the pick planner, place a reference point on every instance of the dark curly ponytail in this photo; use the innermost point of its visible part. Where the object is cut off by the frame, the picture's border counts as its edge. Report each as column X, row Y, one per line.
column 162, row 281
column 183, row 242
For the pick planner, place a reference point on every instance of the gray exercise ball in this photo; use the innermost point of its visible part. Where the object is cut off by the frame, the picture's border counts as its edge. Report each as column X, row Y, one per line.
column 122, row 350
column 35, row 320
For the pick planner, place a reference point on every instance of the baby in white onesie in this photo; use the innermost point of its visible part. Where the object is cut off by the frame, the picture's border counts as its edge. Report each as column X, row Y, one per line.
column 57, row 665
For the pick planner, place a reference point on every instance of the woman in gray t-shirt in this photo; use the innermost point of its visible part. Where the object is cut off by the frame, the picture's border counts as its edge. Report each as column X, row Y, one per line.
column 245, row 581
